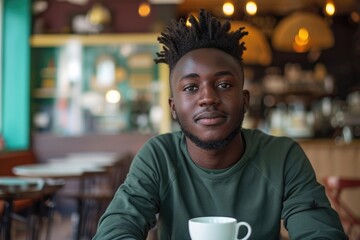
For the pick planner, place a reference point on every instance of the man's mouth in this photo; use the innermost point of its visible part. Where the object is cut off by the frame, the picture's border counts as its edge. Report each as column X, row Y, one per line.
column 211, row 118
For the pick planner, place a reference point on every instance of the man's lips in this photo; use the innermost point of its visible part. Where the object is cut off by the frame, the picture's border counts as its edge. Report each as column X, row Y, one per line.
column 210, row 118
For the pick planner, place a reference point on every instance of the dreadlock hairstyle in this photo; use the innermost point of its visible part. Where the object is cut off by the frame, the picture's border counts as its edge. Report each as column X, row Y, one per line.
column 207, row 32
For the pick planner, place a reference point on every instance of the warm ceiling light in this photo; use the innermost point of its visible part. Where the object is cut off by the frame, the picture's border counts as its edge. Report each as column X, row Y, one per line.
column 251, row 8
column 301, row 40
column 98, row 15
column 228, row 9
column 144, row 9
column 330, row 8
column 302, row 31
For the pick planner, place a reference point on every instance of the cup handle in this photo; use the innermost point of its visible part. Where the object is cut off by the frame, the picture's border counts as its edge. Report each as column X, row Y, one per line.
column 238, row 225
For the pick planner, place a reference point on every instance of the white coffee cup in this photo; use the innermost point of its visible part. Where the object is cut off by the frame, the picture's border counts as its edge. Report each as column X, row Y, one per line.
column 216, row 228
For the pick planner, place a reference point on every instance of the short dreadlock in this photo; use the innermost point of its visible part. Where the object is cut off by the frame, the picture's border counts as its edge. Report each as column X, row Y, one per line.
column 207, row 32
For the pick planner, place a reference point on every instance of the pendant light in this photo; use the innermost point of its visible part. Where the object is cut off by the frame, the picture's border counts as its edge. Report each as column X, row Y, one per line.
column 302, row 32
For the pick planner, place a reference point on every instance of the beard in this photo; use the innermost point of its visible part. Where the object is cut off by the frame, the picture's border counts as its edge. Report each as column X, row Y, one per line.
column 212, row 144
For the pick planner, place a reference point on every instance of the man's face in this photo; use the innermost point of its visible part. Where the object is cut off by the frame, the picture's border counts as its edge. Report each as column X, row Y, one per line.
column 208, row 99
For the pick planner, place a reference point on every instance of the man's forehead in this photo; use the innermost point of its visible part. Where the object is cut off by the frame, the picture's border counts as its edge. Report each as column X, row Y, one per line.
column 206, row 56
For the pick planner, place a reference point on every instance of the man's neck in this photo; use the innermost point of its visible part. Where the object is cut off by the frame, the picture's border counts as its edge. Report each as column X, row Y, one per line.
column 217, row 159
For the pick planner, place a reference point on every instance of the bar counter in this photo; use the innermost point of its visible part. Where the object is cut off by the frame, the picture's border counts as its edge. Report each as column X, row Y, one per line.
column 329, row 157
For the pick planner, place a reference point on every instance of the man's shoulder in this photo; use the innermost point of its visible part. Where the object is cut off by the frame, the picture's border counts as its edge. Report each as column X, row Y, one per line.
column 162, row 152
column 259, row 141
column 256, row 135
column 164, row 142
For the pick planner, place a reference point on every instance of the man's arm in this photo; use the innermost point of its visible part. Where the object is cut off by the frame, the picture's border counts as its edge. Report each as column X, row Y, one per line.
column 307, row 212
column 132, row 212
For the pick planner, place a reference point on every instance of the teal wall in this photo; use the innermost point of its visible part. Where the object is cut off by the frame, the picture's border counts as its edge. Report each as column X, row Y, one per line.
column 15, row 67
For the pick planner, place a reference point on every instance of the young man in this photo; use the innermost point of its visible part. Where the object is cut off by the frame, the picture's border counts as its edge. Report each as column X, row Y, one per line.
column 213, row 167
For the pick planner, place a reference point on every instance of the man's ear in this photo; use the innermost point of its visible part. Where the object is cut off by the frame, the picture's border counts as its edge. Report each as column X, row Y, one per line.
column 172, row 108
column 246, row 100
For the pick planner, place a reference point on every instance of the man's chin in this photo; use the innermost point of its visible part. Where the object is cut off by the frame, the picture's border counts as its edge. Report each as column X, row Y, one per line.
column 212, row 144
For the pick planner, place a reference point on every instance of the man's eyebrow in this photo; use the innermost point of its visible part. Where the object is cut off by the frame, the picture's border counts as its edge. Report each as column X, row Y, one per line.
column 217, row 74
column 223, row 73
column 190, row 75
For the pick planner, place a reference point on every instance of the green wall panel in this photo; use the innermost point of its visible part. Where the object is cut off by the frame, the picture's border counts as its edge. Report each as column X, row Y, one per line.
column 16, row 55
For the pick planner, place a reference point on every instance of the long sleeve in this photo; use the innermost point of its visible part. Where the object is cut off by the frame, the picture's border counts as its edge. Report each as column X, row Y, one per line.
column 306, row 210
column 273, row 180
column 132, row 212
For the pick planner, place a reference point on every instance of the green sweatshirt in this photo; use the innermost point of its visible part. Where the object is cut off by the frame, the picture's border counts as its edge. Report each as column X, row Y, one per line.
column 273, row 180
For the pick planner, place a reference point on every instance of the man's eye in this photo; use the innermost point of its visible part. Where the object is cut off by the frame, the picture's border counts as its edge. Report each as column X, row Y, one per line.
column 224, row 85
column 190, row 89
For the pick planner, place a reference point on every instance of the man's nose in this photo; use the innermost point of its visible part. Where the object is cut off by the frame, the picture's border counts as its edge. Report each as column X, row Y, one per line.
column 208, row 96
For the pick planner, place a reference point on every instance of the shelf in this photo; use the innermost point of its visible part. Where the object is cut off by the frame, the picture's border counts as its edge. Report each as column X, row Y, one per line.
column 44, row 93
column 48, row 62
column 296, row 95
column 55, row 40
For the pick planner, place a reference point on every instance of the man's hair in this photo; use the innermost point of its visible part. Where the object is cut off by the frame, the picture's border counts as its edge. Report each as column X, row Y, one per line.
column 205, row 32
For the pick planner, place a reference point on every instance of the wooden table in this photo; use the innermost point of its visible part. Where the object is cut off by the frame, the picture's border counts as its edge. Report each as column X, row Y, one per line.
column 14, row 188
column 67, row 168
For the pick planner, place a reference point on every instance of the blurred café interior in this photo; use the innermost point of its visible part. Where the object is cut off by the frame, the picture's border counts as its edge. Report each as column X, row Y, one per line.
column 80, row 94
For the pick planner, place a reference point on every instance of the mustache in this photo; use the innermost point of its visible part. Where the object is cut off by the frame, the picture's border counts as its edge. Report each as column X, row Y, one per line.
column 209, row 112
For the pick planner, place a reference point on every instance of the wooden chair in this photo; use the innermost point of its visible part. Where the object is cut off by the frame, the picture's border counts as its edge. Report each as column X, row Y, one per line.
column 48, row 204
column 41, row 208
column 7, row 161
column 22, row 208
column 335, row 186
column 97, row 189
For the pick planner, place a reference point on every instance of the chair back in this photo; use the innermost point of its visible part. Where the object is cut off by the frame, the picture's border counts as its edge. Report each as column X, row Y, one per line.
column 335, row 186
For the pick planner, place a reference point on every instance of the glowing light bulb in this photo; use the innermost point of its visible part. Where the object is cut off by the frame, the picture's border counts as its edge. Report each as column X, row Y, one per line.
column 302, row 40
column 303, row 33
column 251, row 8
column 144, row 9
column 330, row 8
column 228, row 8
